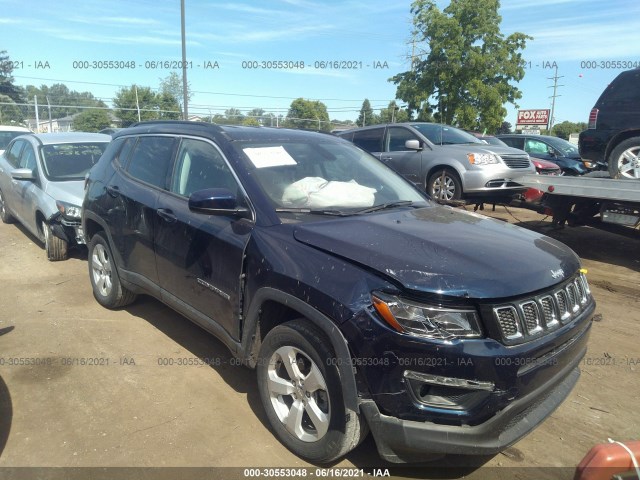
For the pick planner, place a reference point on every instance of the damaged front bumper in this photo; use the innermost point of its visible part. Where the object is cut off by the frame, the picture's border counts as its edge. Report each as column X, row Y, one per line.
column 69, row 230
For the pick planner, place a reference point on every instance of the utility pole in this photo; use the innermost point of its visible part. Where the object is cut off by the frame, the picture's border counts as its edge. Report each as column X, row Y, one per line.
column 553, row 97
column 185, row 90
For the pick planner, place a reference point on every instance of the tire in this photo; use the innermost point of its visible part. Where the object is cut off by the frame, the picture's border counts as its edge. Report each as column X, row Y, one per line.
column 56, row 248
column 452, row 186
column 333, row 431
column 5, row 216
column 624, row 161
column 105, row 282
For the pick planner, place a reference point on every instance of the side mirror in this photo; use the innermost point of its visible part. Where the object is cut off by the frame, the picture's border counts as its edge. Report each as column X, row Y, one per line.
column 23, row 174
column 413, row 144
column 217, row 201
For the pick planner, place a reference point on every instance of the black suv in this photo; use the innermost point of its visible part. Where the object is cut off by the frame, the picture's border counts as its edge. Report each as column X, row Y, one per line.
column 360, row 303
column 613, row 136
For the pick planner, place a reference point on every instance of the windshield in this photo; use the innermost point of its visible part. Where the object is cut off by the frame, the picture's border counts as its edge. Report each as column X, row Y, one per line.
column 444, row 134
column 565, row 147
column 70, row 161
column 329, row 175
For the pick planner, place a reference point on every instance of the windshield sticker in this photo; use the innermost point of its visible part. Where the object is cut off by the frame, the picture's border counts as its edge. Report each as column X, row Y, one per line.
column 264, row 157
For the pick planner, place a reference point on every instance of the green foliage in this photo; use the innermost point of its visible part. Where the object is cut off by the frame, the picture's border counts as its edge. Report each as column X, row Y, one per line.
column 172, row 86
column 91, row 120
column 366, row 117
column 308, row 115
column 64, row 102
column 160, row 106
column 466, row 76
column 251, row 122
column 9, row 93
column 393, row 114
column 565, row 128
column 504, row 128
column 233, row 116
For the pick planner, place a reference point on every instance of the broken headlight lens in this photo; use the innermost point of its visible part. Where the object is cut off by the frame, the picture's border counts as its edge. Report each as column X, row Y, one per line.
column 425, row 320
column 69, row 210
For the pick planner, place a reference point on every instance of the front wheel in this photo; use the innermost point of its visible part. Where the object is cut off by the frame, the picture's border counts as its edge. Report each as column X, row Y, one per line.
column 56, row 248
column 444, row 185
column 624, row 161
column 302, row 395
column 105, row 282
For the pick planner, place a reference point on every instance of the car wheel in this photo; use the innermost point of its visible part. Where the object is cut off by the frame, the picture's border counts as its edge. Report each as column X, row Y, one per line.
column 444, row 185
column 5, row 216
column 56, row 248
column 624, row 161
column 105, row 282
column 302, row 395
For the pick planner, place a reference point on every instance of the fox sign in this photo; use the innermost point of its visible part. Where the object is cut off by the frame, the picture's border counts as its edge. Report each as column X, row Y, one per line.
column 533, row 117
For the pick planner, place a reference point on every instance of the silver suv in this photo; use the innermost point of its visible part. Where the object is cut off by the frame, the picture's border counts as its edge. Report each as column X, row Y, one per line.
column 447, row 162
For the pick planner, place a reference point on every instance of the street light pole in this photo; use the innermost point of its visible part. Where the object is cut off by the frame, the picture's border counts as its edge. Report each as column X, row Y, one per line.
column 185, row 93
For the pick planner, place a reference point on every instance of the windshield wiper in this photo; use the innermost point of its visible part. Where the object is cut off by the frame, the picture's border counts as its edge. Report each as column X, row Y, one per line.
column 338, row 213
column 385, row 206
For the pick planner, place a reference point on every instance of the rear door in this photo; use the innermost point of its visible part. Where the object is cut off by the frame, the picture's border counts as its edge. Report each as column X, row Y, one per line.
column 200, row 256
column 135, row 187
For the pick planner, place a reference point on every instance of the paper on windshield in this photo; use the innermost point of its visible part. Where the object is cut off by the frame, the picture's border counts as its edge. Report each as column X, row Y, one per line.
column 263, row 157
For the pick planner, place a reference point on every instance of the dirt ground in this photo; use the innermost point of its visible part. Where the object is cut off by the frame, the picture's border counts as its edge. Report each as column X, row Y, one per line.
column 82, row 386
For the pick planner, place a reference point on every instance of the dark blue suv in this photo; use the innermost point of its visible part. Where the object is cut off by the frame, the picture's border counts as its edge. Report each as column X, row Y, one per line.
column 360, row 303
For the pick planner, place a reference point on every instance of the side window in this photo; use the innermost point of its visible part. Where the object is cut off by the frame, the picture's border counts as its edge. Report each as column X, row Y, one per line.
column 150, row 160
column 536, row 146
column 13, row 154
column 397, row 138
column 28, row 159
column 369, row 140
column 514, row 142
column 125, row 151
column 199, row 165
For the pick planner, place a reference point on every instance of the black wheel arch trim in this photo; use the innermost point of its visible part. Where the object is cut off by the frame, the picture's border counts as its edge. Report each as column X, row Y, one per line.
column 251, row 342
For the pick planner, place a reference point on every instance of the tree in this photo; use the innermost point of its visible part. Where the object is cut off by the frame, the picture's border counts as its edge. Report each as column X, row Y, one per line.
column 10, row 94
column 366, row 117
column 91, row 120
column 233, row 116
column 64, row 102
column 127, row 108
column 308, row 115
column 168, row 107
column 467, row 73
column 257, row 114
column 504, row 128
column 172, row 85
column 393, row 114
column 564, row 129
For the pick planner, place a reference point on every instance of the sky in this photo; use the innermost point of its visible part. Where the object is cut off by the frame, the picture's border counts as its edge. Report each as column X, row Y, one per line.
column 73, row 41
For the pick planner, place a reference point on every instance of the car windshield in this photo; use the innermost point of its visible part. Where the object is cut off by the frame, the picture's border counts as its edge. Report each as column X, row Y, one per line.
column 565, row 147
column 6, row 137
column 70, row 161
column 326, row 177
column 444, row 134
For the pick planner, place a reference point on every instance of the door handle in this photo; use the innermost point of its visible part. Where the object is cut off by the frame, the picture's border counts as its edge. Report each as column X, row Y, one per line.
column 386, row 159
column 167, row 215
column 113, row 191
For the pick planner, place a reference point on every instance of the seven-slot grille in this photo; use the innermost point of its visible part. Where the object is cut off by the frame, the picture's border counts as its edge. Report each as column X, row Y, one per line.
column 516, row 161
column 529, row 318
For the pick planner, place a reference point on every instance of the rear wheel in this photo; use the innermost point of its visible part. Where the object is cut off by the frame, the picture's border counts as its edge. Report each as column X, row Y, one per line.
column 5, row 216
column 302, row 395
column 105, row 281
column 444, row 185
column 624, row 161
column 56, row 248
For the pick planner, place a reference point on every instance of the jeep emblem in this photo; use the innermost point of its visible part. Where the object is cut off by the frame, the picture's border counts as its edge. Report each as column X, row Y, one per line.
column 557, row 273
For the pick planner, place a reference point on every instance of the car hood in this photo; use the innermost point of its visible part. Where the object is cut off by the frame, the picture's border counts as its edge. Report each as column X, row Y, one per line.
column 445, row 251
column 70, row 192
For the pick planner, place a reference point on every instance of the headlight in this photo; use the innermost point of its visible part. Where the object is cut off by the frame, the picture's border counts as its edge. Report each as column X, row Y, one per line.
column 482, row 158
column 426, row 320
column 68, row 210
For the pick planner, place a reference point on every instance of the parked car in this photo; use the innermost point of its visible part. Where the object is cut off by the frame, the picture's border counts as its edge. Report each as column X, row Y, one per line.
column 447, row 162
column 543, row 167
column 613, row 136
column 546, row 147
column 490, row 139
column 360, row 302
column 41, row 185
column 8, row 133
